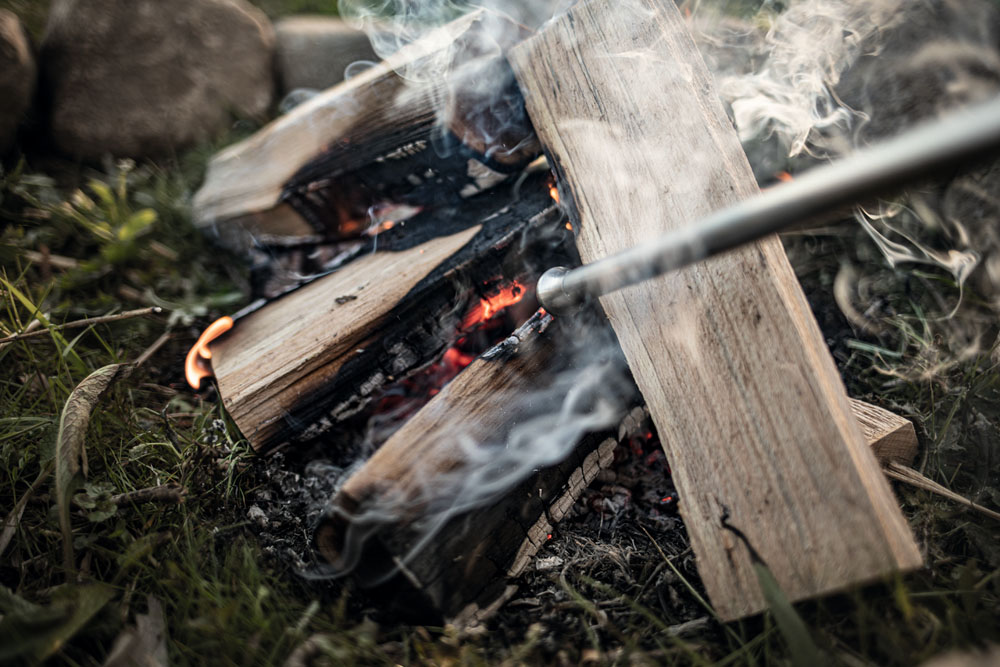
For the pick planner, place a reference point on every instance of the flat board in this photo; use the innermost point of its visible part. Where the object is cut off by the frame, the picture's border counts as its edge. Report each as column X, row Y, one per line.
column 754, row 418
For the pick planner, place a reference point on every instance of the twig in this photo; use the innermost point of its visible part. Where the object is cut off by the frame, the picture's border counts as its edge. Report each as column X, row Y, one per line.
column 34, row 324
column 165, row 493
column 688, row 627
column 55, row 261
column 914, row 478
column 129, row 314
column 153, row 349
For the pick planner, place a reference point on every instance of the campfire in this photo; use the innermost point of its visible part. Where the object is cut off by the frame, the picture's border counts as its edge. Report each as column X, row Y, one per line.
column 406, row 225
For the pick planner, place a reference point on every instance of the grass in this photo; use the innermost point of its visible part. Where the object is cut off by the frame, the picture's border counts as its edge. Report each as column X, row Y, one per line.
column 107, row 240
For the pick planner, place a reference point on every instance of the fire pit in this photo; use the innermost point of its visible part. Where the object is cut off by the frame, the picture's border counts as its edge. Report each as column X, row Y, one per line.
column 461, row 424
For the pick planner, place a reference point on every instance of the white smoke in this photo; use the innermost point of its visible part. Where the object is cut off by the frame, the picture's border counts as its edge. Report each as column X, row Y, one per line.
column 809, row 46
column 783, row 88
column 825, row 77
column 585, row 389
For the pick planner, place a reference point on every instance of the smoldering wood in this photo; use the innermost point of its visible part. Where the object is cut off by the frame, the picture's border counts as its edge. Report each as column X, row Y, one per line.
column 381, row 135
column 468, row 568
column 317, row 355
column 748, row 403
column 465, row 570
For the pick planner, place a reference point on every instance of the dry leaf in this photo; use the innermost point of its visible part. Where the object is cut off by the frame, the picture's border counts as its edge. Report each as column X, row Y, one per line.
column 70, row 451
column 145, row 645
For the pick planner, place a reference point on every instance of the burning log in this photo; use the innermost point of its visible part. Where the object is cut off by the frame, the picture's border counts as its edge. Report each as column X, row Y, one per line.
column 378, row 137
column 289, row 370
column 746, row 398
column 463, row 568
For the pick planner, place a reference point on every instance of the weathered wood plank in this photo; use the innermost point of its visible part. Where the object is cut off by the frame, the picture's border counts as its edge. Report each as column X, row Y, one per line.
column 891, row 437
column 249, row 176
column 750, row 409
column 379, row 518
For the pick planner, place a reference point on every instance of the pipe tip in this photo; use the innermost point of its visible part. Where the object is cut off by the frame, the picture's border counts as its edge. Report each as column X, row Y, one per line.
column 552, row 294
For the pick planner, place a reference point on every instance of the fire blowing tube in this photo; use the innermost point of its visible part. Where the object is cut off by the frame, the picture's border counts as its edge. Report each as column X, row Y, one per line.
column 955, row 140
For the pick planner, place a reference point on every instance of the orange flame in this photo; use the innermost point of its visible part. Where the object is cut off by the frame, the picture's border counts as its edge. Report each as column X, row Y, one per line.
column 488, row 308
column 554, row 193
column 196, row 367
column 457, row 359
column 784, row 177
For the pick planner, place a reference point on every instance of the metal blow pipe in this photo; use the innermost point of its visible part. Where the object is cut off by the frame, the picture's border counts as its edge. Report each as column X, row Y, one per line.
column 959, row 138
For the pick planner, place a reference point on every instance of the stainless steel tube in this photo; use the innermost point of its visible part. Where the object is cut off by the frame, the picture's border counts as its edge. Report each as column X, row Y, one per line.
column 959, row 138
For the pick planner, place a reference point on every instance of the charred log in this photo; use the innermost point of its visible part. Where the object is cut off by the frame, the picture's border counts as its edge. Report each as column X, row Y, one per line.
column 300, row 363
column 409, row 130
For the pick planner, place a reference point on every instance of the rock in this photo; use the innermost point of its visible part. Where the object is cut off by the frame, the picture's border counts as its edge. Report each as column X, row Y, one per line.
column 314, row 51
column 139, row 78
column 17, row 77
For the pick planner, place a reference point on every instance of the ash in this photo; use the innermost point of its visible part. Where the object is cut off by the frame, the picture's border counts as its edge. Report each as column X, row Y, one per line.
column 290, row 492
column 604, row 552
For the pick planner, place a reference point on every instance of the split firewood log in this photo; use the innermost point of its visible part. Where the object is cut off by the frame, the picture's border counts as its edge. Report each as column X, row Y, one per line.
column 728, row 357
column 440, row 119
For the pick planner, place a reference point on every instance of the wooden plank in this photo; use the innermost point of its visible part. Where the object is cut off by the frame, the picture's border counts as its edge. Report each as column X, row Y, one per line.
column 379, row 516
column 250, row 176
column 891, row 437
column 292, row 346
column 741, row 387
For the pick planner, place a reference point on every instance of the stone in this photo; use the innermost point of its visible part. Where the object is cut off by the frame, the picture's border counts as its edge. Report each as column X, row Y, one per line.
column 314, row 51
column 143, row 78
column 17, row 77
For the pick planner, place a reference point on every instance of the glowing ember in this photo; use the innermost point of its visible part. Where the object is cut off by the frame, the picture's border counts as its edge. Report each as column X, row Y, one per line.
column 489, row 307
column 483, row 326
column 456, row 358
column 784, row 177
column 383, row 226
column 196, row 367
column 554, row 193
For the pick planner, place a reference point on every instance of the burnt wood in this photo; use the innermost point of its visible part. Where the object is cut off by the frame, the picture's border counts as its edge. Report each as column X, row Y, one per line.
column 750, row 409
column 317, row 355
column 381, row 523
column 411, row 129
column 380, row 519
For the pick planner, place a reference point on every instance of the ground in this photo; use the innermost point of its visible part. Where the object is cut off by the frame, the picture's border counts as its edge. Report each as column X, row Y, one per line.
column 89, row 240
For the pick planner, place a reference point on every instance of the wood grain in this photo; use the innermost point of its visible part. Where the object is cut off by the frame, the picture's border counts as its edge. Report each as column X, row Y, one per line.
column 749, row 406
column 287, row 350
column 465, row 567
column 418, row 128
column 249, row 177
column 891, row 437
